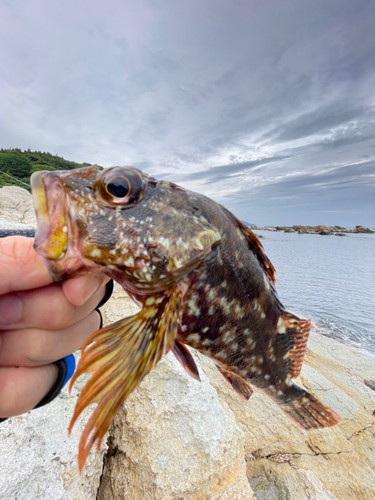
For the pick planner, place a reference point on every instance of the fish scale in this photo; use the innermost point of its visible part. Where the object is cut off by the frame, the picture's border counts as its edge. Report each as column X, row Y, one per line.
column 200, row 276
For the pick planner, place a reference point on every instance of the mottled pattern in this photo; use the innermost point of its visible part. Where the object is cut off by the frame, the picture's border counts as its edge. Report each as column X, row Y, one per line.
column 159, row 242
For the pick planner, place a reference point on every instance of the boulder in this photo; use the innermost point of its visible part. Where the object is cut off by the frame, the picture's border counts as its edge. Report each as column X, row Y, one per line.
column 16, row 206
column 176, row 438
column 362, row 229
column 165, row 442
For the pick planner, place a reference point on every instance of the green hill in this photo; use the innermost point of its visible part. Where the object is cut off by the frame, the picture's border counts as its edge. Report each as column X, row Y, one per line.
column 21, row 164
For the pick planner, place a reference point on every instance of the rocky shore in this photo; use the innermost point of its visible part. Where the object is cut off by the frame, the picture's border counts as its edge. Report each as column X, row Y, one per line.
column 322, row 230
column 176, row 438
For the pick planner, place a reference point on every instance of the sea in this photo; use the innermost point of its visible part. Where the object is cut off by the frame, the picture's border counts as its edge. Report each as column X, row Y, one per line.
column 330, row 279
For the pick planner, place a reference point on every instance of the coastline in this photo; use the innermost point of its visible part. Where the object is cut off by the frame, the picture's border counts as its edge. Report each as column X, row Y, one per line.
column 320, row 229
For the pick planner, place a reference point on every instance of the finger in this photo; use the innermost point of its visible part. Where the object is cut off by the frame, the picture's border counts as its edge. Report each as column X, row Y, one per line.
column 31, row 347
column 21, row 389
column 21, row 267
column 78, row 290
column 48, row 309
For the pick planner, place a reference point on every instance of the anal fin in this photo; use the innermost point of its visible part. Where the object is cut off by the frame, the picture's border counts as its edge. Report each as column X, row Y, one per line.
column 243, row 388
column 184, row 356
column 119, row 356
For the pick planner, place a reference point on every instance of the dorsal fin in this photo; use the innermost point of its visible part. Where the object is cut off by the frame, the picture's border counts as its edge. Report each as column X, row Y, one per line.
column 254, row 245
column 298, row 331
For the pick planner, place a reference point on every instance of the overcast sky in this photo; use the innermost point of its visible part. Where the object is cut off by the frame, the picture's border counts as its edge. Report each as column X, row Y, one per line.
column 268, row 106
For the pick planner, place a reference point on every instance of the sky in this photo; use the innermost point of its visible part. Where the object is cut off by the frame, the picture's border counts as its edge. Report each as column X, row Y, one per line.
column 266, row 106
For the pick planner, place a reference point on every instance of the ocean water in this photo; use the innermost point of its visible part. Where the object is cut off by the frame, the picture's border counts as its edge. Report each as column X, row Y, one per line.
column 330, row 279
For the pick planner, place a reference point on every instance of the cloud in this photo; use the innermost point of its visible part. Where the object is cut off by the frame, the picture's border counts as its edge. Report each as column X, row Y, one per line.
column 251, row 104
column 222, row 172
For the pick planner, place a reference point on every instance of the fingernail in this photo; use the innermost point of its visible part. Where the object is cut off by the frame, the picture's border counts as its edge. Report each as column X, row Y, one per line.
column 10, row 310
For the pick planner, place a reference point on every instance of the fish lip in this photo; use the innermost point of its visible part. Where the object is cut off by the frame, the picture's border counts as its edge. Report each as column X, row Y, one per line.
column 51, row 237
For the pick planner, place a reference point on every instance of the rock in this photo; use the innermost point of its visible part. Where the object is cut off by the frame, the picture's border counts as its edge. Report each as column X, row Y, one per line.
column 340, row 234
column 325, row 232
column 156, row 436
column 39, row 461
column 370, row 383
column 288, row 230
column 284, row 461
column 172, row 427
column 362, row 229
column 176, row 438
column 16, row 206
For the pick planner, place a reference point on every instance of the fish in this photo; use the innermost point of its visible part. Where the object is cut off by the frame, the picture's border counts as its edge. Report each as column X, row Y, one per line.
column 200, row 276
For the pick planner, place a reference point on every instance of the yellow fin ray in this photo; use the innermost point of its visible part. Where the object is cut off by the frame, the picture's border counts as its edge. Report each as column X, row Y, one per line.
column 119, row 356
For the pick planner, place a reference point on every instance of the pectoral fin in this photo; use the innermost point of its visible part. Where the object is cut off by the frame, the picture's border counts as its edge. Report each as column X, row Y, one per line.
column 119, row 356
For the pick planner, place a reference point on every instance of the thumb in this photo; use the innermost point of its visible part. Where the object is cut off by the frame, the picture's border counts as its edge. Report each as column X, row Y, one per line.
column 20, row 266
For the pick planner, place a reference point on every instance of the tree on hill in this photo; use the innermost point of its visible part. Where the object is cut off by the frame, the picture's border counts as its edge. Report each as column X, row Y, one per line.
column 21, row 164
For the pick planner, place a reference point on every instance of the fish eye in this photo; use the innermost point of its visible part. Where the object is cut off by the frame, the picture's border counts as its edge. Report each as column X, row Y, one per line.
column 120, row 186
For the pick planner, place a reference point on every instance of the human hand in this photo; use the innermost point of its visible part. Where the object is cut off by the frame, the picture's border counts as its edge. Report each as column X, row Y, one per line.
column 40, row 323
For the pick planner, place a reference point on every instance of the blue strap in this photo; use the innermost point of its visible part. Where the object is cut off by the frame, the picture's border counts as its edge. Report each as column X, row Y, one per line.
column 70, row 368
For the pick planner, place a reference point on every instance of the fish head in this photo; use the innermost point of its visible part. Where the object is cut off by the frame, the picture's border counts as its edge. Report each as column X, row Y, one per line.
column 144, row 233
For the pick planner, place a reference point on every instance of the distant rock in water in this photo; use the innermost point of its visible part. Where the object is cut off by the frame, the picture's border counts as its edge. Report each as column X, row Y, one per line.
column 248, row 224
column 323, row 230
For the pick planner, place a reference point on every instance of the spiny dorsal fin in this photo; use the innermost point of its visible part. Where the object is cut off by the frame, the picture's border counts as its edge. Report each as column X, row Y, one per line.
column 184, row 356
column 254, row 245
column 298, row 331
column 119, row 356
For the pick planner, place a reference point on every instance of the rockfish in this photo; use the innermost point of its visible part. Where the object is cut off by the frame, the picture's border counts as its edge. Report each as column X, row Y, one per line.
column 200, row 276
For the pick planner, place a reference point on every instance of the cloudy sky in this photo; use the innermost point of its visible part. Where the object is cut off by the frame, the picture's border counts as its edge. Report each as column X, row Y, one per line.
column 268, row 106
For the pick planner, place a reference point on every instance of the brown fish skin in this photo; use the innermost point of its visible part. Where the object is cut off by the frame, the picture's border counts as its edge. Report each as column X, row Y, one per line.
column 200, row 275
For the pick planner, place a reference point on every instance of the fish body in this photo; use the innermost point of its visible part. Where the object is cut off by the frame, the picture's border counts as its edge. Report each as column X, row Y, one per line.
column 200, row 275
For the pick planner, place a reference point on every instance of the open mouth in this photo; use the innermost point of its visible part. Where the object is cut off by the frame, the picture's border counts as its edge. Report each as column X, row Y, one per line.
column 51, row 238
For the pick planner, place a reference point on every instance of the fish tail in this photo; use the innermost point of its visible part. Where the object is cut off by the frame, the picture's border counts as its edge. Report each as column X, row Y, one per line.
column 306, row 410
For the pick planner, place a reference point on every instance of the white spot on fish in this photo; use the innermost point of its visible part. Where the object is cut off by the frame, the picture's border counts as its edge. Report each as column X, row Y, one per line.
column 281, row 326
column 96, row 253
column 266, row 282
column 193, row 307
column 194, row 337
column 129, row 262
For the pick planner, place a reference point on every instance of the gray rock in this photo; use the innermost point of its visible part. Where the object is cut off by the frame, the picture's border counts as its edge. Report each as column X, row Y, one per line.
column 16, row 206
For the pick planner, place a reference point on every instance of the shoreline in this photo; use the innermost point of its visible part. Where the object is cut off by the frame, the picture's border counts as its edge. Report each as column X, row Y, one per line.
column 320, row 229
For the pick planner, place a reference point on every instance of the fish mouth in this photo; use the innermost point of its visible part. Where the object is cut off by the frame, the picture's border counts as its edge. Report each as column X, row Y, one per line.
column 51, row 237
